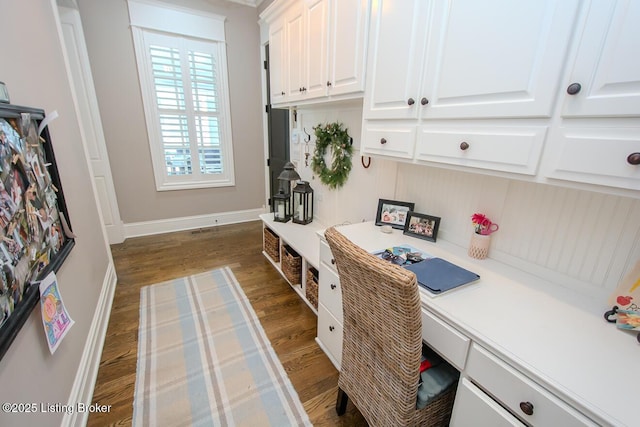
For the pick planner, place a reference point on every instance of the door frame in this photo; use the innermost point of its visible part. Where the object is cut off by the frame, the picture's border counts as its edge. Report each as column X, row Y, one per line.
column 93, row 140
column 266, row 103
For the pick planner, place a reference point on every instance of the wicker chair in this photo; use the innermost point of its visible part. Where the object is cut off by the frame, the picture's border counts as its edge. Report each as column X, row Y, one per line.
column 382, row 340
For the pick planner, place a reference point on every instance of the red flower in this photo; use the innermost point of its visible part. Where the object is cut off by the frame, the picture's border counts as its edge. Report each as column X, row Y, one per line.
column 478, row 218
column 482, row 224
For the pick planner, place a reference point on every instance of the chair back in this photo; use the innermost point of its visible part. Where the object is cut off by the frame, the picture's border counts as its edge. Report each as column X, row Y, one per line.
column 382, row 334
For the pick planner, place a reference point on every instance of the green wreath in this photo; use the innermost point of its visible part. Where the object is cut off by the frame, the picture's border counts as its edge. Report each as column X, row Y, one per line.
column 332, row 135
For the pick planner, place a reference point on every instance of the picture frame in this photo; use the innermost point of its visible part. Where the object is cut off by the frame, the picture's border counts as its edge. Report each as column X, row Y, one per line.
column 422, row 226
column 393, row 213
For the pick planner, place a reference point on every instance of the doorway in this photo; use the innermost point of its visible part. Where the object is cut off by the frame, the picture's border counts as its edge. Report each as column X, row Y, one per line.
column 278, row 135
column 89, row 115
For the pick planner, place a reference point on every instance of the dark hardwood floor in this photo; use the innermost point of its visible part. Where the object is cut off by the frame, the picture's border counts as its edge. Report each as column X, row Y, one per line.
column 286, row 319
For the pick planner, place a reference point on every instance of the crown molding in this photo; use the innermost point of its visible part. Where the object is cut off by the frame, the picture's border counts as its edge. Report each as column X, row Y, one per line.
column 254, row 3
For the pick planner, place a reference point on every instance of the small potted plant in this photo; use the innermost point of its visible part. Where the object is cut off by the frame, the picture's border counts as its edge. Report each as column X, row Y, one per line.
column 483, row 227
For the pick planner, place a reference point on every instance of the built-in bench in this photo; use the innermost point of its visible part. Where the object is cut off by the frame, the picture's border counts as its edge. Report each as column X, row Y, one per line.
column 293, row 241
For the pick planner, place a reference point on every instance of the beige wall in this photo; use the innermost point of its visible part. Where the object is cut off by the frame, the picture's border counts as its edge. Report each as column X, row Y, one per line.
column 111, row 53
column 33, row 69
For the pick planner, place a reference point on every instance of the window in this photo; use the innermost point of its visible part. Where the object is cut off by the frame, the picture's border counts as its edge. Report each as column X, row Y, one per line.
column 185, row 93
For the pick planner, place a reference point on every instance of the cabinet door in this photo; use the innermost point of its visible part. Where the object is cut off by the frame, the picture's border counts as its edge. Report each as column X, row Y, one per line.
column 495, row 58
column 295, row 53
column 606, row 65
column 277, row 66
column 348, row 46
column 396, row 48
column 475, row 408
column 317, row 41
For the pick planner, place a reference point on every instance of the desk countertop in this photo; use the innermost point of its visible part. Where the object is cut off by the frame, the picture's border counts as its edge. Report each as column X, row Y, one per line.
column 557, row 337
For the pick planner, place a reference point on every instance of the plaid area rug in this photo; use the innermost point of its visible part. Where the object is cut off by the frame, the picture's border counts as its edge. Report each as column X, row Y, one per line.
column 204, row 359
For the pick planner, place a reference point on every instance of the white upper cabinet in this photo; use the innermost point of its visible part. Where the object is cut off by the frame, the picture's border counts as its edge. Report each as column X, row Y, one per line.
column 396, row 50
column 606, row 65
column 467, row 59
column 597, row 139
column 317, row 42
column 325, row 49
column 348, row 41
column 277, row 64
column 496, row 58
column 296, row 81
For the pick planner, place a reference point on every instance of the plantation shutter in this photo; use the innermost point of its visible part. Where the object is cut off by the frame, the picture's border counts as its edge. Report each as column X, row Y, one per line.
column 184, row 82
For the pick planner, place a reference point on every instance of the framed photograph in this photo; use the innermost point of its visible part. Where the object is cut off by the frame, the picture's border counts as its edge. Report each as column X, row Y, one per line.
column 422, row 226
column 393, row 213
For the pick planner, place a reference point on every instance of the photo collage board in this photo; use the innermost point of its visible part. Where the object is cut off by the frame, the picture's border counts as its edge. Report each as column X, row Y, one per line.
column 35, row 235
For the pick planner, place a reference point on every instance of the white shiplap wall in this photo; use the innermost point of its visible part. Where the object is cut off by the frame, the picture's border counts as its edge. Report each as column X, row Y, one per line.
column 358, row 200
column 579, row 239
column 575, row 238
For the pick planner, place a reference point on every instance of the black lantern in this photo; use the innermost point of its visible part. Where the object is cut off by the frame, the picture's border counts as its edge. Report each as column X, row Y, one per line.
column 281, row 206
column 288, row 174
column 282, row 211
column 302, row 203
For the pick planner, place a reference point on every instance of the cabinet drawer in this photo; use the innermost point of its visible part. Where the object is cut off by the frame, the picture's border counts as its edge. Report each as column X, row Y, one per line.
column 513, row 390
column 474, row 408
column 597, row 156
column 447, row 341
column 501, row 148
column 326, row 256
column 330, row 334
column 389, row 139
column 330, row 291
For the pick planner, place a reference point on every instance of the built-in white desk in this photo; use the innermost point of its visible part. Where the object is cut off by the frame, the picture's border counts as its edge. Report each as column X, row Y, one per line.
column 521, row 343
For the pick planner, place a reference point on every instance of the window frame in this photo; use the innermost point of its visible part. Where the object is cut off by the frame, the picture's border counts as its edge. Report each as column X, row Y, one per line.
column 149, row 23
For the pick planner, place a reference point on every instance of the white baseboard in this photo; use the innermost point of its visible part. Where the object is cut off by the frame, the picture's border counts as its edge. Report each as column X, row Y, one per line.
column 87, row 373
column 147, row 228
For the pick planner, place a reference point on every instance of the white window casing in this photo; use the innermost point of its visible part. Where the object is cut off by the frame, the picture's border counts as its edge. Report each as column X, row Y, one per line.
column 183, row 76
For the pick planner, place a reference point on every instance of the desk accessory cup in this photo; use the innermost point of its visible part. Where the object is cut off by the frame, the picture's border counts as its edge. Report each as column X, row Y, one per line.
column 481, row 236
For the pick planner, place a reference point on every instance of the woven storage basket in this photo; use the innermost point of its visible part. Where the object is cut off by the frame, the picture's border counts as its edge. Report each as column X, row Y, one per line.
column 312, row 286
column 291, row 264
column 271, row 244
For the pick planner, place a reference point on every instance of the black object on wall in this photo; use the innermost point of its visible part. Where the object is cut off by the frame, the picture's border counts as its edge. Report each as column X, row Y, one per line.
column 278, row 136
column 35, row 233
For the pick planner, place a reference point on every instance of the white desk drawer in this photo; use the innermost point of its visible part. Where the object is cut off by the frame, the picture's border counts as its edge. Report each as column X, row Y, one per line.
column 330, row 291
column 330, row 334
column 515, row 391
column 450, row 343
column 326, row 256
column 474, row 408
